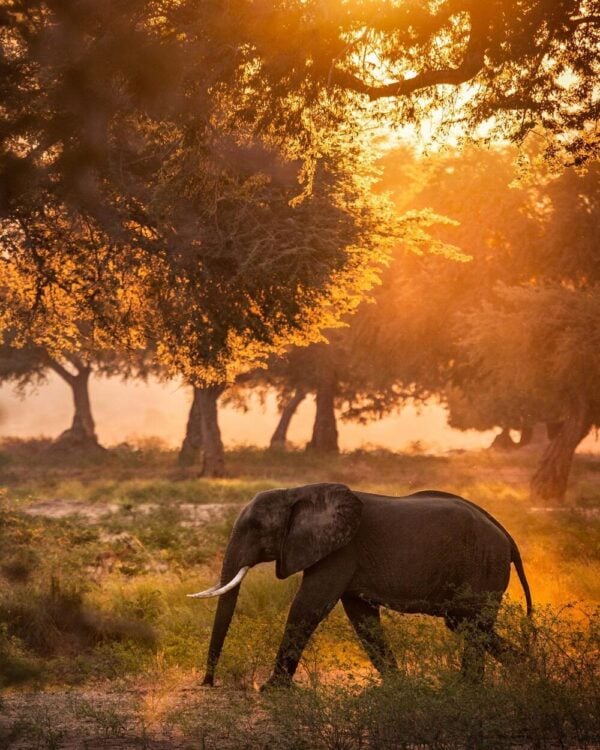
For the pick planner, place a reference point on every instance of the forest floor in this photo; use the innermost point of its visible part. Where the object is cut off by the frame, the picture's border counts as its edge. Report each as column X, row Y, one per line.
column 100, row 648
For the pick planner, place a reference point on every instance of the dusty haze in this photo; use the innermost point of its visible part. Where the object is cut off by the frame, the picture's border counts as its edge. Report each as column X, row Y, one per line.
column 125, row 411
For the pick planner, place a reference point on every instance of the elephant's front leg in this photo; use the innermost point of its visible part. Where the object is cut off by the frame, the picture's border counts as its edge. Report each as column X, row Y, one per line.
column 321, row 588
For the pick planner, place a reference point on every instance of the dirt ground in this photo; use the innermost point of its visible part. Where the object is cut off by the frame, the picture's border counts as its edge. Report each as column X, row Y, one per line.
column 106, row 717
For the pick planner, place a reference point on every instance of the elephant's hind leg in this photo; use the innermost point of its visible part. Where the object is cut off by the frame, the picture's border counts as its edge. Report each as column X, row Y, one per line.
column 472, row 665
column 479, row 639
column 477, row 628
column 366, row 622
column 473, row 659
column 502, row 650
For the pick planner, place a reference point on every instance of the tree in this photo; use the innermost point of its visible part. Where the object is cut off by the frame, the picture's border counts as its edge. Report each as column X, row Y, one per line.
column 203, row 435
column 163, row 220
column 478, row 408
column 243, row 264
column 82, row 433
column 244, row 249
column 428, row 323
column 531, row 365
column 534, row 233
column 558, row 345
column 30, row 365
column 324, row 368
column 162, row 196
column 193, row 440
column 288, row 409
column 303, row 370
column 493, row 222
column 367, row 368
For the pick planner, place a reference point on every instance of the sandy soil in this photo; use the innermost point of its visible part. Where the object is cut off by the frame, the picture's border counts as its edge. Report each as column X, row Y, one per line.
column 181, row 716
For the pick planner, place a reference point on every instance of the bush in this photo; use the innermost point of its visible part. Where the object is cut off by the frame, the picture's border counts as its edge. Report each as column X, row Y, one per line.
column 15, row 668
column 59, row 622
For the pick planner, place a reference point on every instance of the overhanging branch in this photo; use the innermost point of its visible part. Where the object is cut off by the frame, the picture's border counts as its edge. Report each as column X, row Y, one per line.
column 450, row 76
column 471, row 64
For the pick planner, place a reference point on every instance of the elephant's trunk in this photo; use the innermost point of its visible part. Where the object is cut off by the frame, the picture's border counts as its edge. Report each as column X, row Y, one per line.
column 225, row 609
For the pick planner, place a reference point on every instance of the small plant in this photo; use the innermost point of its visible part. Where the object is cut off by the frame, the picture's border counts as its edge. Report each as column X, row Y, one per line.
column 15, row 667
column 107, row 721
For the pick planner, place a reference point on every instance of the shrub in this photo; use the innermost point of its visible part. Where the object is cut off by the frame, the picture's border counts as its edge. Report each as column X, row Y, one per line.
column 58, row 621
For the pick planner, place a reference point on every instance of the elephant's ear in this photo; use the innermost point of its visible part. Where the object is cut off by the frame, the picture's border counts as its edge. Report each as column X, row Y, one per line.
column 323, row 521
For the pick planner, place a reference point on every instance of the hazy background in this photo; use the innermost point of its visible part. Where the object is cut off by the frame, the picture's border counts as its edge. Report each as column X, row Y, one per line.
column 124, row 411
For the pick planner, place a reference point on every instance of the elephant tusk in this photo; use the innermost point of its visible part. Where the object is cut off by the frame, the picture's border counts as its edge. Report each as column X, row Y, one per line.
column 218, row 589
column 205, row 594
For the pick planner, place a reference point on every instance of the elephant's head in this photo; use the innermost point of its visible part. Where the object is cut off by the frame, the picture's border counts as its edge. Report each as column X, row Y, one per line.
column 296, row 528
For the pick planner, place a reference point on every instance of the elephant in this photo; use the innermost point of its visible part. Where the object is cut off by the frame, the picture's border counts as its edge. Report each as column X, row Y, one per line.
column 430, row 552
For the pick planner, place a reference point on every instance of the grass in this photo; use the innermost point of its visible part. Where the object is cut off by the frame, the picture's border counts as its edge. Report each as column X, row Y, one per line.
column 98, row 641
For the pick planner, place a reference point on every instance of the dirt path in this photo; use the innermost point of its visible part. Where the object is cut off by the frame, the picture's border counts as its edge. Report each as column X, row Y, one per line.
column 154, row 717
column 194, row 514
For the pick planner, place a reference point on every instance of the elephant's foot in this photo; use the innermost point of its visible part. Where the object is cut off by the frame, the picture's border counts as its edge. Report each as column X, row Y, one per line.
column 276, row 682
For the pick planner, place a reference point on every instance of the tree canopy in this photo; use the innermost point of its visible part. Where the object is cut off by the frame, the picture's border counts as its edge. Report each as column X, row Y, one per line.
column 483, row 69
column 197, row 180
column 139, row 207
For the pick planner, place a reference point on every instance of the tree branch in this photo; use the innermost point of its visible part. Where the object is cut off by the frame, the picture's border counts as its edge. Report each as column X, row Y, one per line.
column 577, row 20
column 59, row 369
column 452, row 76
column 77, row 363
column 471, row 64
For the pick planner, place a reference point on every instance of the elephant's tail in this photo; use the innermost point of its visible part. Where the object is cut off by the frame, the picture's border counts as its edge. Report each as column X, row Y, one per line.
column 518, row 563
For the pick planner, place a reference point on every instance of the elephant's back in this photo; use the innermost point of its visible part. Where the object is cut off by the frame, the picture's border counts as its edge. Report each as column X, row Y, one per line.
column 426, row 543
column 429, row 505
column 431, row 515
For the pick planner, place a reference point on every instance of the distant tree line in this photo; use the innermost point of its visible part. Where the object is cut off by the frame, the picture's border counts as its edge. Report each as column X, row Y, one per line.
column 504, row 333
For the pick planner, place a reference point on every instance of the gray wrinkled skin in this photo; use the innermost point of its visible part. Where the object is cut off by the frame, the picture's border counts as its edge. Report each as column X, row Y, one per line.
column 431, row 552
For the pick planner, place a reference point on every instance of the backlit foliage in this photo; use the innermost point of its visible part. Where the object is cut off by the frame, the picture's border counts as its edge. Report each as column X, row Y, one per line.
column 474, row 69
column 252, row 272
column 144, row 210
column 196, row 178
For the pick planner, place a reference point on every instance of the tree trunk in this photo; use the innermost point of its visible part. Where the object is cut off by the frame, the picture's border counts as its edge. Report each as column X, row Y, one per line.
column 279, row 438
column 325, row 435
column 192, row 442
column 552, row 429
column 549, row 483
column 503, row 441
column 533, row 436
column 213, row 454
column 81, row 435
